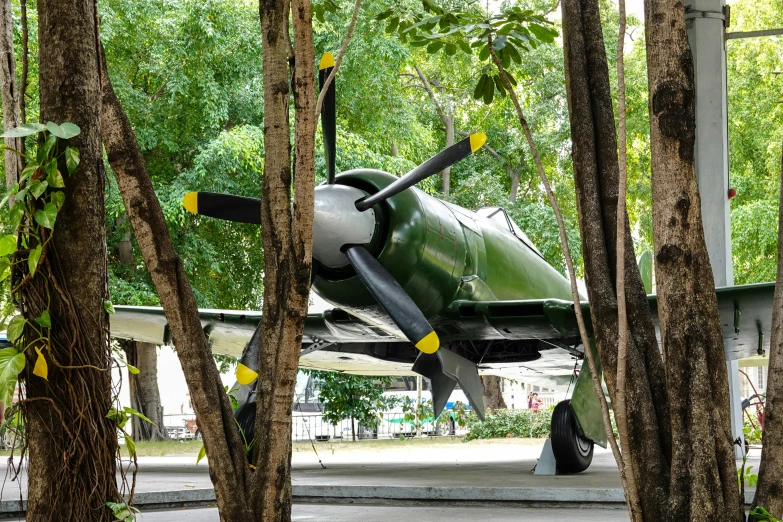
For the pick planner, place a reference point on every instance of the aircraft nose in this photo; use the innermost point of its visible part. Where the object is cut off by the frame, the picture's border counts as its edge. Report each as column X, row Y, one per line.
column 337, row 223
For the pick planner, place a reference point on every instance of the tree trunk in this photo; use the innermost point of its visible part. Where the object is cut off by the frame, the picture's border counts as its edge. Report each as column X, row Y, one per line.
column 11, row 99
column 445, row 175
column 144, row 394
column 447, row 118
column 353, row 429
column 493, row 397
column 72, row 472
column 228, row 467
column 287, row 242
column 596, row 181
column 703, row 474
column 769, row 490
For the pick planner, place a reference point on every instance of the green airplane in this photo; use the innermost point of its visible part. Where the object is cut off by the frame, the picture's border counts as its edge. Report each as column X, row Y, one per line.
column 422, row 286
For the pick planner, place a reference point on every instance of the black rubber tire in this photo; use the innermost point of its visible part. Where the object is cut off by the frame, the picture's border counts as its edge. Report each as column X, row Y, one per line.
column 573, row 454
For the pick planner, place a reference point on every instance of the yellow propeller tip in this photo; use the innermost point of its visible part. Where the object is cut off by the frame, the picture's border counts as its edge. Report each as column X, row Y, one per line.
column 477, row 141
column 245, row 375
column 190, row 202
column 327, row 60
column 429, row 343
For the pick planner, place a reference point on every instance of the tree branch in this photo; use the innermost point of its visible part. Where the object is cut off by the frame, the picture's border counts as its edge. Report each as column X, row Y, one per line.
column 339, row 59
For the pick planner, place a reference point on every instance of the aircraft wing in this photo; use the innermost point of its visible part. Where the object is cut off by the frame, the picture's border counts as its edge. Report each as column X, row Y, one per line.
column 495, row 334
column 745, row 312
column 230, row 330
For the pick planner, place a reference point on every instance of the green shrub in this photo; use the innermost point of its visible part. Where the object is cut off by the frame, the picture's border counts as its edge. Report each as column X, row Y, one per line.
column 509, row 423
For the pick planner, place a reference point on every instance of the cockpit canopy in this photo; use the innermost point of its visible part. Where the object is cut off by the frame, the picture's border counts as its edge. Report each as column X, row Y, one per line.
column 500, row 218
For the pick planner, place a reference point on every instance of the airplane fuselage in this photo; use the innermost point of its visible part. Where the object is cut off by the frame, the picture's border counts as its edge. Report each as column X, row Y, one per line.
column 441, row 254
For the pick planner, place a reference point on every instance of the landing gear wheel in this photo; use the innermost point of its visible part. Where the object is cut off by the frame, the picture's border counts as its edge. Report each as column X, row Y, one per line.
column 573, row 453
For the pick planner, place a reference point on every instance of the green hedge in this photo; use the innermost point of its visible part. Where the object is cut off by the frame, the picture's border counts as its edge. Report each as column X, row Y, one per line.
column 509, row 423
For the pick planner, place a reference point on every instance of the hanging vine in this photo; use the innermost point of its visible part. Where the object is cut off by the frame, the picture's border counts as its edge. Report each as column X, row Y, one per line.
column 49, row 336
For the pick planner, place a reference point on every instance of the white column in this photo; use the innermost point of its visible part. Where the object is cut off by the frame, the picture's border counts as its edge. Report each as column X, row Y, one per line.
column 706, row 34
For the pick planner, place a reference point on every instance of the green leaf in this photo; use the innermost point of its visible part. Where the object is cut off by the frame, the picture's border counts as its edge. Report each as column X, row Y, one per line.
column 47, row 216
column 434, row 47
column 512, row 51
column 64, row 131
column 71, row 159
column 465, row 47
column 36, row 188
column 5, row 268
column 28, row 170
column 499, row 42
column 451, row 50
column 489, row 92
column 132, row 369
column 53, row 175
column 17, row 213
column 23, row 130
column 21, row 194
column 201, row 454
column 499, row 84
column 11, row 365
column 484, row 53
column 108, row 306
column 392, row 25
column 384, row 14
column 15, row 328
column 44, row 319
column 43, row 152
column 130, row 444
column 32, row 260
column 478, row 92
column 7, row 245
column 58, row 198
column 131, row 411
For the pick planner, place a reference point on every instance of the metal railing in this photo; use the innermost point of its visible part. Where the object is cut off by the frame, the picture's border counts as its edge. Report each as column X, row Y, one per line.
column 391, row 425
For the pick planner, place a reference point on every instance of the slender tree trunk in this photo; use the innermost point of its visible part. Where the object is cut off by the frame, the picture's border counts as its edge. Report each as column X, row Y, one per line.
column 287, row 241
column 228, row 466
column 703, row 473
column 447, row 118
column 493, row 396
column 769, row 491
column 72, row 472
column 10, row 95
column 25, row 65
column 144, row 394
column 596, row 175
column 445, row 175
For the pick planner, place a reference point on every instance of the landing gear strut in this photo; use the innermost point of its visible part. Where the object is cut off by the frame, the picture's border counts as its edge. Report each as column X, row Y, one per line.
column 573, row 453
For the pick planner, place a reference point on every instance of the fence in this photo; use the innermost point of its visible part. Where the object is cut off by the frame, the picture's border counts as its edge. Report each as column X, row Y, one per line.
column 391, row 425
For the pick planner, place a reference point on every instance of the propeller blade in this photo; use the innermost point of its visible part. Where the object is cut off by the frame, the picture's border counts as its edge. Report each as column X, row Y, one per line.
column 328, row 115
column 432, row 166
column 224, row 206
column 391, row 296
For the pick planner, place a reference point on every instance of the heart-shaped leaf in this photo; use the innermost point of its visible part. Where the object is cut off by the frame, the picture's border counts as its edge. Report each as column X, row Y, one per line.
column 7, row 245
column 47, row 215
column 23, row 130
column 53, row 175
column 64, row 131
column 37, row 188
column 15, row 328
column 71, row 159
column 5, row 268
column 17, row 213
column 43, row 152
column 32, row 260
column 44, row 319
column 41, row 369
column 11, row 365
column 58, row 198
